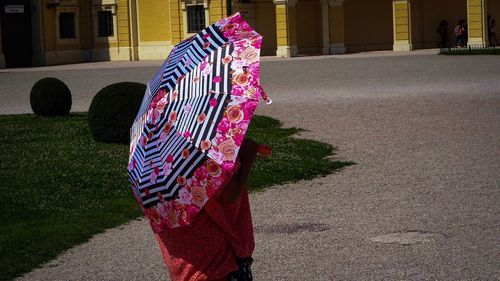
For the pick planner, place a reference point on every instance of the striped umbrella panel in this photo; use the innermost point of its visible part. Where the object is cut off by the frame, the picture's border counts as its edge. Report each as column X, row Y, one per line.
column 189, row 118
column 192, row 121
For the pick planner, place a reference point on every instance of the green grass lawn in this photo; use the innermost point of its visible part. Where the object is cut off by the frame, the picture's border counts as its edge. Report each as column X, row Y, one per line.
column 58, row 187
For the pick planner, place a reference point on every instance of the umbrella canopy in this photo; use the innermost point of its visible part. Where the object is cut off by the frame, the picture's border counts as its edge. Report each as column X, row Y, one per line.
column 192, row 121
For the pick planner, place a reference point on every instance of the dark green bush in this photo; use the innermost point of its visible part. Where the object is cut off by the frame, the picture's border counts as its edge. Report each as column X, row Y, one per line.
column 50, row 97
column 113, row 111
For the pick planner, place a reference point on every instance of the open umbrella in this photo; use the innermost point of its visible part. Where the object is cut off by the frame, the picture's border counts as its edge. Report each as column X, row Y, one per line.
column 192, row 121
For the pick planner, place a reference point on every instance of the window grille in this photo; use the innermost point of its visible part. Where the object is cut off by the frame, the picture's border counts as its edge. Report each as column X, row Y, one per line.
column 67, row 25
column 105, row 24
column 196, row 18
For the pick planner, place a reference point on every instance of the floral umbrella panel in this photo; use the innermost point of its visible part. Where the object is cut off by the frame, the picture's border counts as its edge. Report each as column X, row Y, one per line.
column 193, row 119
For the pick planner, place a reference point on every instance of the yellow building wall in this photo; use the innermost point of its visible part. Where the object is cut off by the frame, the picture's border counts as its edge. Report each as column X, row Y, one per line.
column 282, row 22
column 402, row 25
column 428, row 14
column 265, row 25
column 123, row 20
column 218, row 10
column 476, row 18
column 309, row 27
column 154, row 20
column 176, row 18
column 368, row 25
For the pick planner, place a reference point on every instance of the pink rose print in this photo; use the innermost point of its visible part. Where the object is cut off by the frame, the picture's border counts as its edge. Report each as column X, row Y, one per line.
column 132, row 164
column 161, row 210
column 205, row 145
column 203, row 65
column 239, row 140
column 172, row 216
column 217, row 79
column 161, row 198
column 206, row 69
column 170, row 158
column 250, row 55
column 172, row 117
column 185, row 153
column 144, row 141
column 191, row 211
column 213, row 168
column 199, row 195
column 153, row 177
column 201, row 172
column 228, row 150
column 241, row 79
column 174, row 95
column 166, row 169
column 184, row 196
column 213, row 102
column 181, row 180
column 167, row 128
column 155, row 216
column 234, row 114
column 228, row 166
column 201, row 118
column 224, row 126
column 227, row 59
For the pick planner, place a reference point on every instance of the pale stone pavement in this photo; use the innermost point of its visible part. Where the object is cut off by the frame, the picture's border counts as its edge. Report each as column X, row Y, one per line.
column 424, row 132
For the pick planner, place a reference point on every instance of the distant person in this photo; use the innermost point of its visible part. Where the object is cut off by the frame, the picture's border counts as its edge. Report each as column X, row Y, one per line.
column 443, row 34
column 460, row 34
column 492, row 36
column 466, row 33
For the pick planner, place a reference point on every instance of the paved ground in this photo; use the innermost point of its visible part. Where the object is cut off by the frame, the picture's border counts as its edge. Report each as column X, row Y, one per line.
column 425, row 133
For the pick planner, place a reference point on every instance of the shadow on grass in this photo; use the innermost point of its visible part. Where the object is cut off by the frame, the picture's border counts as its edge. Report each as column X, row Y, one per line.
column 59, row 187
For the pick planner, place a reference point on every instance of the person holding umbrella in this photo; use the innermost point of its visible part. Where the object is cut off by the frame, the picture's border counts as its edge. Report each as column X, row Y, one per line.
column 189, row 158
column 219, row 244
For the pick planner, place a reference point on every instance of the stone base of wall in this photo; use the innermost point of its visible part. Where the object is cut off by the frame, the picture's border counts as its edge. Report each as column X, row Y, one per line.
column 402, row 47
column 64, row 57
column 154, row 50
column 337, row 49
column 110, row 54
column 286, row 51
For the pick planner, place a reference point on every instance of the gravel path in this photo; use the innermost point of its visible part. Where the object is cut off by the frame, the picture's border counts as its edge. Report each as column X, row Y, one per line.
column 422, row 203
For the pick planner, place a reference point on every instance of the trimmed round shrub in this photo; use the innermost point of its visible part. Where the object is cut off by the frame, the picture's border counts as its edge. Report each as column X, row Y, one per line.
column 113, row 111
column 50, row 97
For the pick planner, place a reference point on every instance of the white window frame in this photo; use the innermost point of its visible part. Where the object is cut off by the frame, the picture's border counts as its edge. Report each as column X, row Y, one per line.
column 68, row 41
column 187, row 3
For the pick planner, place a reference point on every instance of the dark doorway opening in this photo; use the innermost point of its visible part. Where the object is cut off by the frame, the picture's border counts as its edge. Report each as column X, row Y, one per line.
column 15, row 17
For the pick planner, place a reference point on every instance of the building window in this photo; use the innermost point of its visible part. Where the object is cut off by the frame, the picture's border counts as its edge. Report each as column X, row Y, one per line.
column 105, row 24
column 195, row 18
column 67, row 25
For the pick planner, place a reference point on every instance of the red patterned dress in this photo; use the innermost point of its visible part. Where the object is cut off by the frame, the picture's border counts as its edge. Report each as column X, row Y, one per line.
column 207, row 249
